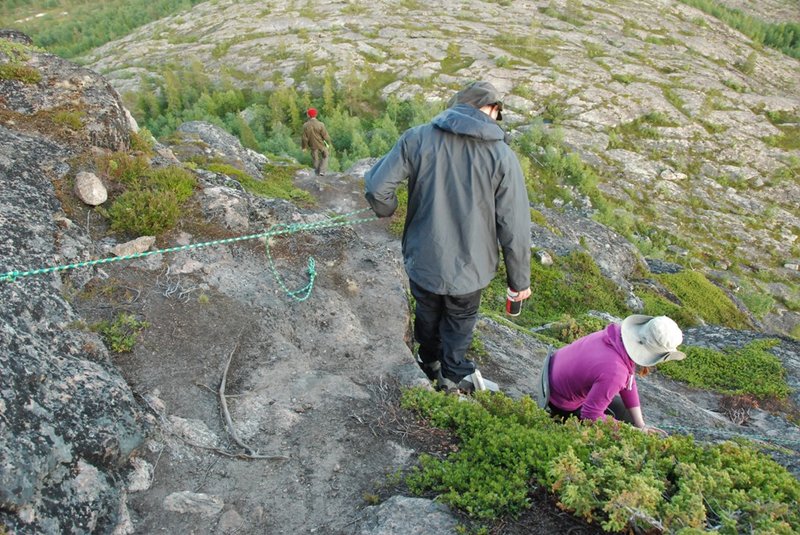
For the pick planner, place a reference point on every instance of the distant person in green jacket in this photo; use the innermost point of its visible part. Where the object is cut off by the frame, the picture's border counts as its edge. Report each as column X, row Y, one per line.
column 316, row 138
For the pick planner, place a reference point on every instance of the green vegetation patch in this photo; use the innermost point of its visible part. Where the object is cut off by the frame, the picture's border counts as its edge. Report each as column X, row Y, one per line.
column 625, row 136
column 788, row 139
column 784, row 36
column 524, row 47
column 454, row 61
column 549, row 166
column 72, row 119
column 88, row 25
column 700, row 296
column 573, row 285
column 120, row 334
column 608, row 474
column 13, row 68
column 276, row 184
column 152, row 200
column 751, row 369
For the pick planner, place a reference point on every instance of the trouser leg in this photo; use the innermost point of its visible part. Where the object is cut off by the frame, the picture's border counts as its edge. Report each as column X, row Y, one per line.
column 315, row 160
column 444, row 327
column 323, row 164
column 456, row 329
column 427, row 316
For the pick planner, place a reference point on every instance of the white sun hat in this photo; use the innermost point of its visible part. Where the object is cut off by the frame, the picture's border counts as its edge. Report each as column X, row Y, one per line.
column 651, row 340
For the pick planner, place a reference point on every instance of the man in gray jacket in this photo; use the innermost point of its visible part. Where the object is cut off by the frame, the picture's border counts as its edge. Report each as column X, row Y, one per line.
column 466, row 194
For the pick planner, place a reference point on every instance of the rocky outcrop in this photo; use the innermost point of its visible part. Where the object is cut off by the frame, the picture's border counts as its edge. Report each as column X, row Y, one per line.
column 400, row 515
column 68, row 421
column 208, row 142
column 63, row 101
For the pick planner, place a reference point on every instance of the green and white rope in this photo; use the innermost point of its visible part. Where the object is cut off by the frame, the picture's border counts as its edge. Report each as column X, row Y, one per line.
column 278, row 229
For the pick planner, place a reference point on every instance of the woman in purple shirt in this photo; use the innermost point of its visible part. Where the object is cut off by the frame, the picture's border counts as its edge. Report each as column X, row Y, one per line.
column 594, row 376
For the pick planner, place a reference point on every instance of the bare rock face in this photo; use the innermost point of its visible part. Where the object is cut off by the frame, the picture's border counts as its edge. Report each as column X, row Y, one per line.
column 211, row 142
column 400, row 515
column 68, row 102
column 68, row 421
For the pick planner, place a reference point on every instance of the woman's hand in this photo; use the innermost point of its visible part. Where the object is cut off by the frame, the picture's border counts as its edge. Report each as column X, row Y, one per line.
column 652, row 430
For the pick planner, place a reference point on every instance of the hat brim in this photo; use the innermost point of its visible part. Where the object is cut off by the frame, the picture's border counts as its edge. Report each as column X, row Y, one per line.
column 638, row 352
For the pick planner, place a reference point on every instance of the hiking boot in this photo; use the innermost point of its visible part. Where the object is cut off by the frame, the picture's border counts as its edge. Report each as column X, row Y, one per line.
column 431, row 369
column 443, row 384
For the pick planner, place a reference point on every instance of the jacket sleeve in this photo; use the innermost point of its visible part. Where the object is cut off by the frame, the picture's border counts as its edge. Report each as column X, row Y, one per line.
column 304, row 139
column 513, row 219
column 384, row 178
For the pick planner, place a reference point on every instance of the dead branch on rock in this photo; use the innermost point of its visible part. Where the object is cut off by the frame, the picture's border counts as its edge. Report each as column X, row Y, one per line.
column 250, row 453
column 223, row 403
column 165, row 427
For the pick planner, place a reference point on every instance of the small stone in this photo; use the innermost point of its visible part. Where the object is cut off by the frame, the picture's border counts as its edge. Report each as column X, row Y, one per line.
column 192, row 502
column 230, row 522
column 544, row 258
column 90, row 189
column 139, row 245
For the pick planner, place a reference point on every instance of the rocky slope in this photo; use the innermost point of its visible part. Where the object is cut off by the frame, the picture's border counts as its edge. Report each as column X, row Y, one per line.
column 94, row 442
column 707, row 170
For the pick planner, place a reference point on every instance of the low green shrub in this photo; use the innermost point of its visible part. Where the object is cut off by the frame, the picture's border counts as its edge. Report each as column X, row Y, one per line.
column 13, row 67
column 751, row 369
column 120, row 334
column 656, row 305
column 608, row 474
column 700, row 296
column 276, row 184
column 72, row 119
column 398, row 221
column 152, row 198
column 568, row 329
column 144, row 212
column 142, row 141
column 572, row 285
column 124, row 168
column 173, row 179
column 22, row 73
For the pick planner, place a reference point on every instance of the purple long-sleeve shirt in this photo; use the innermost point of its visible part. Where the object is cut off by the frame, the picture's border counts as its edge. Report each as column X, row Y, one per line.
column 590, row 371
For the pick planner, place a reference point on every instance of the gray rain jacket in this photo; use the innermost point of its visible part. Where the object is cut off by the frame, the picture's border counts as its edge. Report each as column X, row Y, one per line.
column 466, row 194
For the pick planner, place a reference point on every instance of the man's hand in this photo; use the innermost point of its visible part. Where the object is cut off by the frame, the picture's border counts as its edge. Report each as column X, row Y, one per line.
column 522, row 295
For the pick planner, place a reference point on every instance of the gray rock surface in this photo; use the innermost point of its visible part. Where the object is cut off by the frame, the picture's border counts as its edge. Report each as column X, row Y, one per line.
column 212, row 142
column 68, row 420
column 400, row 515
column 71, row 104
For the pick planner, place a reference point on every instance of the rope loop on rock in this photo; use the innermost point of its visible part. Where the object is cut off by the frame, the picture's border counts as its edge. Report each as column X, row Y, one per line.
column 339, row 220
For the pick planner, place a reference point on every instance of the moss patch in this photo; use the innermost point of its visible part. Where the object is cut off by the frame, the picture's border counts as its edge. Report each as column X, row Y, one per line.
column 748, row 370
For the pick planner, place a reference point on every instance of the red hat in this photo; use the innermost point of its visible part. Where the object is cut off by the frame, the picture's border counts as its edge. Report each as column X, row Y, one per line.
column 312, row 112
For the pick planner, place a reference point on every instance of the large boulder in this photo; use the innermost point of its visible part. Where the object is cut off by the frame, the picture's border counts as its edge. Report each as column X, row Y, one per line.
column 68, row 421
column 60, row 99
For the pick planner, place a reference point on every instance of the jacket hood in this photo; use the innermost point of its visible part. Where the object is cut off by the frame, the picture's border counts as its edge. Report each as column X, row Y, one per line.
column 467, row 120
column 613, row 338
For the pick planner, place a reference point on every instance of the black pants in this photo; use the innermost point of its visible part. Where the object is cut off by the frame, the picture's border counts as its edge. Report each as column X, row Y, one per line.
column 616, row 409
column 443, row 328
